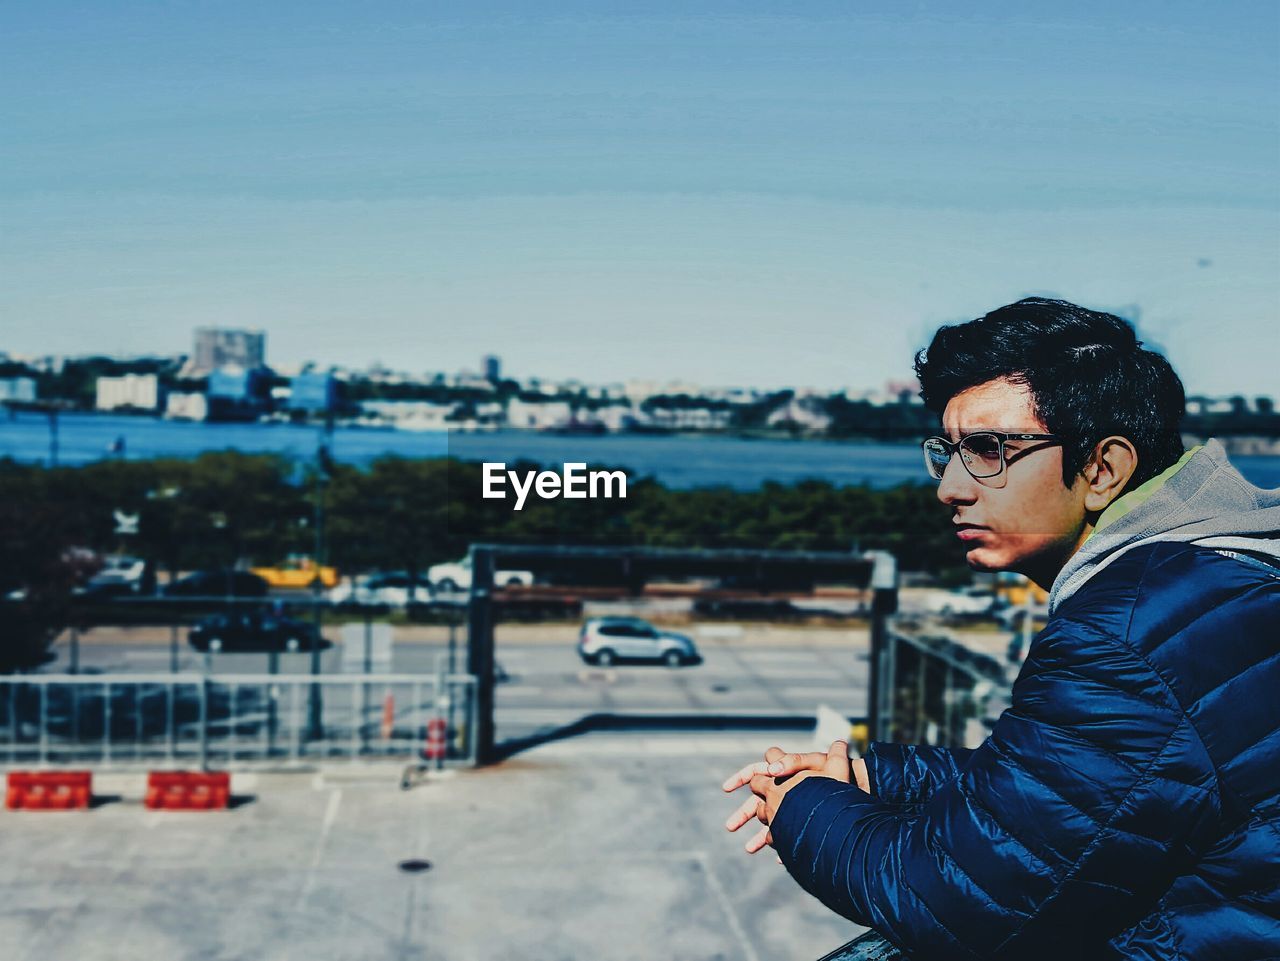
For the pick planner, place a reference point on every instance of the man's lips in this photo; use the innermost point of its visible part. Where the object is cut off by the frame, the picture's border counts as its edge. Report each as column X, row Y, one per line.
column 970, row 532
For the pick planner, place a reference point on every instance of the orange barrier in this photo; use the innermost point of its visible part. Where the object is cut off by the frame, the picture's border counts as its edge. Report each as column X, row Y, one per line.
column 435, row 748
column 388, row 716
column 48, row 790
column 188, row 790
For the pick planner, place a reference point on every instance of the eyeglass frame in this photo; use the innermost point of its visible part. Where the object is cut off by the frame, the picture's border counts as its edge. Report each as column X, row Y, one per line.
column 954, row 448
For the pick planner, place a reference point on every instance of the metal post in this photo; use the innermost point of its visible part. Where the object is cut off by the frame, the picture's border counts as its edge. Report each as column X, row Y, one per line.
column 453, row 669
column 295, row 720
column 44, row 724
column 171, row 725
column 137, row 722
column 416, row 715
column 357, row 720
column 106, row 721
column 273, row 668
column 480, row 649
column 884, row 602
column 233, row 698
column 315, row 707
column 364, row 688
column 173, row 648
column 13, row 721
column 204, row 723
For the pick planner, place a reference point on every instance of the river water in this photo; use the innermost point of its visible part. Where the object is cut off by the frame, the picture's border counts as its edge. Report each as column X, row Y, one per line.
column 678, row 461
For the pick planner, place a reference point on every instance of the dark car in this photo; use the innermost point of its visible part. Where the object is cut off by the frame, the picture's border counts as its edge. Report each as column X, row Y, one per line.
column 224, row 583
column 252, row 631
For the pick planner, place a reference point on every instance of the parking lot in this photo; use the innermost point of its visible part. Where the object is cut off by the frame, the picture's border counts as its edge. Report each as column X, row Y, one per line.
column 598, row 848
column 762, row 670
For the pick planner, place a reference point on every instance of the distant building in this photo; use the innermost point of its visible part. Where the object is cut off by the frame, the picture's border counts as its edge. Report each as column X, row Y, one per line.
column 538, row 415
column 615, row 417
column 237, row 394
column 187, row 407
column 220, row 347
column 135, row 391
column 799, row 412
column 238, row 383
column 408, row 414
column 491, row 364
column 689, row 418
column 312, row 391
column 17, row 388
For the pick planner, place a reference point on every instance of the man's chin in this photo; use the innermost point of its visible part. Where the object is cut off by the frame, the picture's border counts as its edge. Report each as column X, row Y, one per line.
column 983, row 560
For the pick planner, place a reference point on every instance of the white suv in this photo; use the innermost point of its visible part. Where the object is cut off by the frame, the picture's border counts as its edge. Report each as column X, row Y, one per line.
column 608, row 640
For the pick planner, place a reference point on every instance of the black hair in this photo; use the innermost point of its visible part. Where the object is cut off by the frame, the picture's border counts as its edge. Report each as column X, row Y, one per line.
column 1088, row 374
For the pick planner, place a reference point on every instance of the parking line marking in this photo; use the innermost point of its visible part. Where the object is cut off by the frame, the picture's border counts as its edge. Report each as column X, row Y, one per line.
column 330, row 816
column 730, row 913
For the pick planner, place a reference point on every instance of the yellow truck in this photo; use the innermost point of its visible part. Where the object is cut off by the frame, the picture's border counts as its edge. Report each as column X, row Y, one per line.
column 297, row 572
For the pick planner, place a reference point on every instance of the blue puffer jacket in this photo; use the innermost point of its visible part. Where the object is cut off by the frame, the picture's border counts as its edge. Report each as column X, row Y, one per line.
column 1127, row 805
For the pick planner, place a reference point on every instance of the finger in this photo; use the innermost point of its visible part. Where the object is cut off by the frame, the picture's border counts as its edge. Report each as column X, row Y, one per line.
column 761, row 783
column 789, row 764
column 761, row 840
column 837, row 765
column 773, row 753
column 745, row 812
column 744, row 775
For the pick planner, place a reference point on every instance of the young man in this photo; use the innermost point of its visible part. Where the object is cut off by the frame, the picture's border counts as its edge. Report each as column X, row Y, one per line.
column 1127, row 805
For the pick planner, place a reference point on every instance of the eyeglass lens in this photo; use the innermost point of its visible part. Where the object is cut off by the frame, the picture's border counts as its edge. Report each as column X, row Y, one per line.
column 981, row 453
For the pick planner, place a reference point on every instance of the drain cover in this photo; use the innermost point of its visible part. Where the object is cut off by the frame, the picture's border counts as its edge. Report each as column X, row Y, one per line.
column 720, row 688
column 414, row 866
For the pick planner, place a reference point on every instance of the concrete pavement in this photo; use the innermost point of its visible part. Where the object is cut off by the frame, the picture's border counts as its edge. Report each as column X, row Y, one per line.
column 599, row 848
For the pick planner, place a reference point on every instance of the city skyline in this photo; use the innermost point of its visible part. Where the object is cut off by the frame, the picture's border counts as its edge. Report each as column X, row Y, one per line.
column 742, row 195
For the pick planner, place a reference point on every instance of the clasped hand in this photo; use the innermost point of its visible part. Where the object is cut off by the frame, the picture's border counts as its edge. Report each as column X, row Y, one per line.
column 778, row 773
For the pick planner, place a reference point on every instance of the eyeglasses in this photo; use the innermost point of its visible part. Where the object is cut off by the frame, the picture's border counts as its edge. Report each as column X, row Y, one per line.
column 981, row 452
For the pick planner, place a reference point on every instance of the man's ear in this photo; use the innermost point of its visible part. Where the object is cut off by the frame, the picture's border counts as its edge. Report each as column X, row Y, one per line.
column 1108, row 472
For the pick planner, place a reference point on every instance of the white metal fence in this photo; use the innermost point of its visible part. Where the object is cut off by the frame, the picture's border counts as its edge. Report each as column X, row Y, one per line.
column 223, row 720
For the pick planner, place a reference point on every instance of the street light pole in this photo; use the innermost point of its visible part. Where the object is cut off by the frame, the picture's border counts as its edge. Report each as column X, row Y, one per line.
column 315, row 707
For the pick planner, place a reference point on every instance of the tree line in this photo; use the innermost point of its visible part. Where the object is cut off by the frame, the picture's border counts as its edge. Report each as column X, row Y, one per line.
column 228, row 509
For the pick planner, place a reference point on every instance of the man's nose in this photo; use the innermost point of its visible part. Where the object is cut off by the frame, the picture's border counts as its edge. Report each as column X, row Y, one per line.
column 957, row 485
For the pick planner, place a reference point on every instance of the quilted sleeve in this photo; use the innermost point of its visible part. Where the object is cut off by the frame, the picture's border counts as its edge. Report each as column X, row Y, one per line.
column 1065, row 827
column 911, row 773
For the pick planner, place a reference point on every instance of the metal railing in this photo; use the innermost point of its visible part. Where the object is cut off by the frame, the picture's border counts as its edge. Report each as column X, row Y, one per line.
column 937, row 690
column 231, row 719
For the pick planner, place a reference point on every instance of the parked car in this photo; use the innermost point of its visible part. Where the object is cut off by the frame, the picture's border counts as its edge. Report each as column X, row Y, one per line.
column 253, row 631
column 120, row 576
column 610, row 640
column 391, row 590
column 967, row 600
column 224, row 583
column 455, row 576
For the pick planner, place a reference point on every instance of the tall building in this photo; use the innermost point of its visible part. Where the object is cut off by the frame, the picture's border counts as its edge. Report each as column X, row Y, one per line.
column 222, row 347
column 491, row 365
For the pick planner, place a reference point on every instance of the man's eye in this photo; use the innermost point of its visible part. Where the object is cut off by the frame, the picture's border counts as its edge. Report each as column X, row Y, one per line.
column 984, row 448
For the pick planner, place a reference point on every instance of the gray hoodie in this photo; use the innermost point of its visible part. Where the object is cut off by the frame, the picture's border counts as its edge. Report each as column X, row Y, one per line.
column 1200, row 500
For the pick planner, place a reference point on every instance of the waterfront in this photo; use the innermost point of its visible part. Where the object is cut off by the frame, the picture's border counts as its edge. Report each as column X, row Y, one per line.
column 677, row 460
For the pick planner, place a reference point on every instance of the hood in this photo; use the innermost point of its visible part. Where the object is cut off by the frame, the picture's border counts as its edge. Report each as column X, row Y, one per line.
column 1200, row 500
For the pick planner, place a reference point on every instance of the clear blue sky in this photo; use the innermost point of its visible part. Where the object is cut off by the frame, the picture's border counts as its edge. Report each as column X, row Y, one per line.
column 734, row 193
